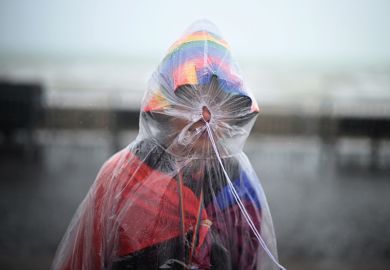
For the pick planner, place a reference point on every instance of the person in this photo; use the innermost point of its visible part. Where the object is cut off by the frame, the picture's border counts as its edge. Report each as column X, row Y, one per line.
column 183, row 195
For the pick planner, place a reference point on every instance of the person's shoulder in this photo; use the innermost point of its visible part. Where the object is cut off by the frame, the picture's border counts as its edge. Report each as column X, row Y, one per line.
column 153, row 155
column 109, row 166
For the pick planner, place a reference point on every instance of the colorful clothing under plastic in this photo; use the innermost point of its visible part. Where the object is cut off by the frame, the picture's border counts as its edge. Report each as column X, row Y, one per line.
column 183, row 195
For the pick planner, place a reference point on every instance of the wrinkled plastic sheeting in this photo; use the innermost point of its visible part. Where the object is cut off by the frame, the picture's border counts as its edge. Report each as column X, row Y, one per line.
column 183, row 195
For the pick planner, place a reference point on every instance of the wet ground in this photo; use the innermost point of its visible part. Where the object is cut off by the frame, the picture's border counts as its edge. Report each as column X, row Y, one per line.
column 330, row 212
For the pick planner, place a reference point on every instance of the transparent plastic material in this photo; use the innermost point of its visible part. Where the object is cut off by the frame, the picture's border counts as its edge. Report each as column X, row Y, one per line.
column 183, row 195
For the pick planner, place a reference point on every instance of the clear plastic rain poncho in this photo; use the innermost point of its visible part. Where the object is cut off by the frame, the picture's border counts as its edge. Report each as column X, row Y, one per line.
column 183, row 195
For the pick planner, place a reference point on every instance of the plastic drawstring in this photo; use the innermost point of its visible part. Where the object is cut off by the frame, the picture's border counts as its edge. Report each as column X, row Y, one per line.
column 196, row 227
column 238, row 200
column 182, row 228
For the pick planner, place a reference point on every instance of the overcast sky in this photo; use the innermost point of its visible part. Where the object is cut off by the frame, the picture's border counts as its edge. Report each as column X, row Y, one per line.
column 328, row 31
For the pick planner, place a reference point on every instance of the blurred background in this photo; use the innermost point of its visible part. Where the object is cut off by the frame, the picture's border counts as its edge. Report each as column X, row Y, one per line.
column 72, row 75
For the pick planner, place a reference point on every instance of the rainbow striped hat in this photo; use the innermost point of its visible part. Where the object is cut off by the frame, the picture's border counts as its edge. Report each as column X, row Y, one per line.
column 193, row 60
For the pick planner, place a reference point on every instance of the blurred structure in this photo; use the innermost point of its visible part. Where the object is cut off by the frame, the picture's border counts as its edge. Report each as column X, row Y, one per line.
column 21, row 111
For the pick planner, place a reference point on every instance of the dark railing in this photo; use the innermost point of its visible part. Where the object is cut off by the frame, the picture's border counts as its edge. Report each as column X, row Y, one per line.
column 22, row 111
